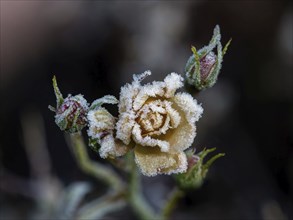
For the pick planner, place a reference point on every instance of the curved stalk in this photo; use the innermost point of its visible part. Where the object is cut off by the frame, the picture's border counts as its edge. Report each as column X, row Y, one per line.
column 136, row 199
column 95, row 169
column 171, row 203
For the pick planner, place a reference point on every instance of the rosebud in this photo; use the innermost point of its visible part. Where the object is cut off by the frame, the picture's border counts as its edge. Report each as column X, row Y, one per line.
column 197, row 170
column 203, row 67
column 70, row 112
column 101, row 130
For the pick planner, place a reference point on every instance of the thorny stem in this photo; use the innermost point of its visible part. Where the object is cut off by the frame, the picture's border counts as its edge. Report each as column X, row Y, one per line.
column 136, row 199
column 99, row 171
column 171, row 203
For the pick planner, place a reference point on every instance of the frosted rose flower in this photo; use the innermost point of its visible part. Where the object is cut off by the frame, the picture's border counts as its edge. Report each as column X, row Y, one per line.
column 159, row 122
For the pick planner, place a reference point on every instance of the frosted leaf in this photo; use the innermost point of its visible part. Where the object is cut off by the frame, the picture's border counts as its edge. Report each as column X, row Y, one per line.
column 107, row 99
column 216, row 39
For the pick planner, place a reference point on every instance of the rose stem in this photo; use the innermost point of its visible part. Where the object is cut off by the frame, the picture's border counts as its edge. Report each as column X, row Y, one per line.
column 95, row 169
column 136, row 199
column 176, row 194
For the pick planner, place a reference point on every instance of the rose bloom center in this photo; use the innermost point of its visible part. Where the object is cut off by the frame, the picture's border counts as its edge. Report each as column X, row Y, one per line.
column 153, row 118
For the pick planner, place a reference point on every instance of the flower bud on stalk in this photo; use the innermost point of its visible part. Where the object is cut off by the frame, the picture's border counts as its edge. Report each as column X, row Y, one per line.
column 197, row 170
column 70, row 112
column 203, row 67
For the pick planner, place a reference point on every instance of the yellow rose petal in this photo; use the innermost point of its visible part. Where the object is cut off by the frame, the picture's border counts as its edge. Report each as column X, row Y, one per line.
column 152, row 161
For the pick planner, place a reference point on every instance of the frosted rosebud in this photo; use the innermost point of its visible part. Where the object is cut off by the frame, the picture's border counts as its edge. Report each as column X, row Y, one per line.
column 203, row 67
column 70, row 112
column 197, row 169
column 159, row 121
column 101, row 129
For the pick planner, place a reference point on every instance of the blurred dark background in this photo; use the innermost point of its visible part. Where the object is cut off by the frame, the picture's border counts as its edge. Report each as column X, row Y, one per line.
column 94, row 47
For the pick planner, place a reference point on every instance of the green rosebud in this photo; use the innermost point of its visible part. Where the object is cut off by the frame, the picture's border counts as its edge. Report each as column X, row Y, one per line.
column 203, row 67
column 197, row 170
column 70, row 112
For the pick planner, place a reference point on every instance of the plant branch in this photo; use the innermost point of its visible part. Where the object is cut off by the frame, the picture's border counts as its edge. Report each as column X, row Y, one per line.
column 171, row 203
column 97, row 208
column 95, row 169
column 136, row 199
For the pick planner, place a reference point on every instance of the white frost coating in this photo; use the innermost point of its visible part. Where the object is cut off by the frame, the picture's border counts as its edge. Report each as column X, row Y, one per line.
column 189, row 106
column 174, row 115
column 60, row 116
column 100, row 122
column 107, row 146
column 153, row 163
column 107, row 99
column 147, row 141
column 172, row 82
column 137, row 78
column 124, row 127
column 80, row 99
column 148, row 90
column 101, row 127
column 111, row 147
